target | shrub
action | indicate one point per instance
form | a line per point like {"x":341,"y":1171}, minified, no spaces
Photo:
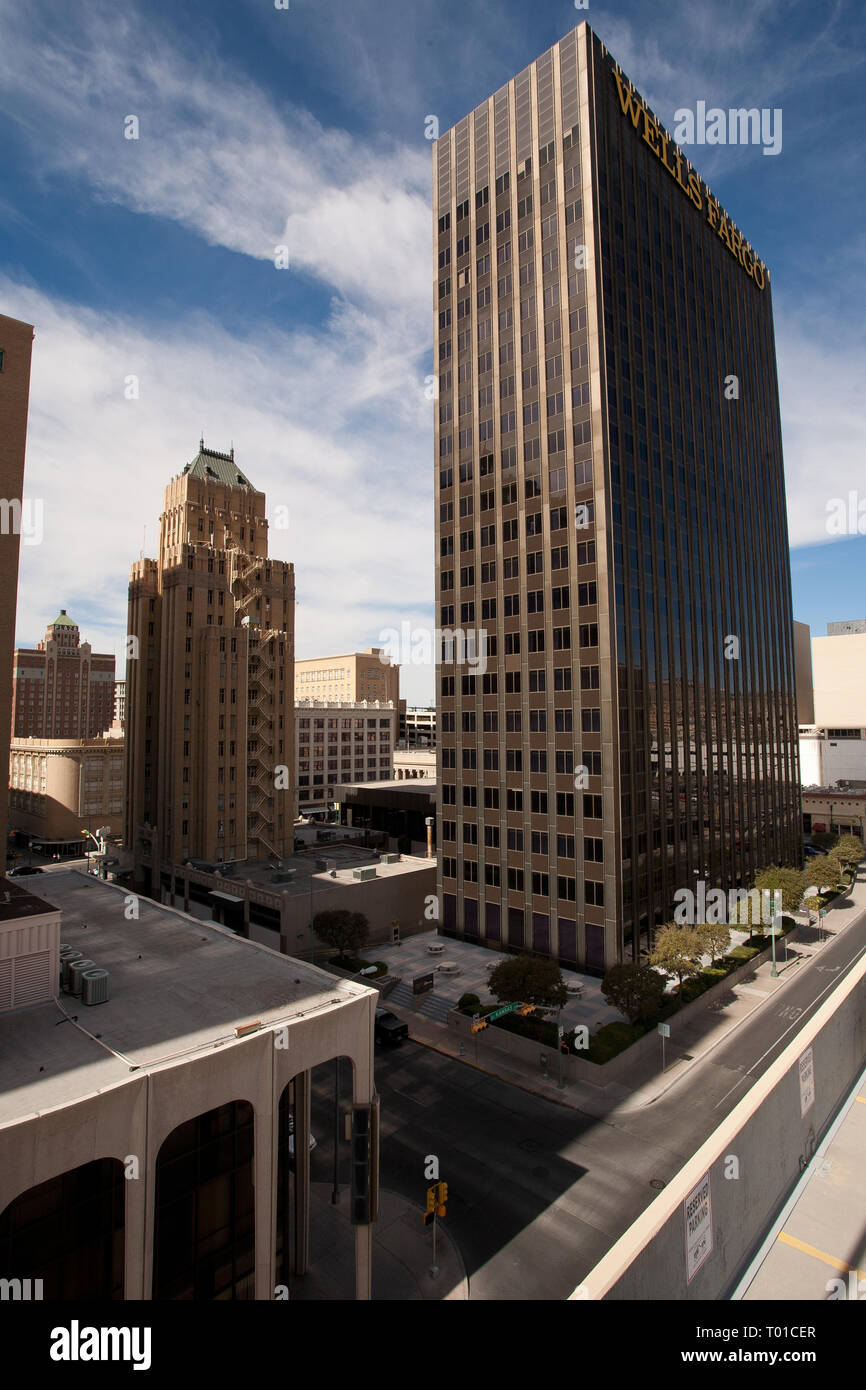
{"x":467,"y":1001}
{"x":612,"y":1039}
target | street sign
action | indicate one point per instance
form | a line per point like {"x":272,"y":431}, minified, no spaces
{"x":506,"y":1009}
{"x":698,"y":1213}
{"x":806,"y":1067}
{"x":665,"y":1030}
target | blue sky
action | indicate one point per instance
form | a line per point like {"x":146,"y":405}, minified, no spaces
{"x":305,"y":127}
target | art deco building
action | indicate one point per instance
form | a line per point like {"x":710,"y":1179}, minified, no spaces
{"x":62,"y":689}
{"x":610,"y":509}
{"x":209,"y":679}
{"x":16,"y":347}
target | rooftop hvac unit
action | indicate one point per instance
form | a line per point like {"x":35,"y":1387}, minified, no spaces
{"x":94,"y":986}
{"x":75,"y":972}
{"x":361,"y":875}
{"x":68,"y":960}
{"x":389,"y":859}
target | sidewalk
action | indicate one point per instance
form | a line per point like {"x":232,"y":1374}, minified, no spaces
{"x":708,"y":1030}
{"x":402,"y":1253}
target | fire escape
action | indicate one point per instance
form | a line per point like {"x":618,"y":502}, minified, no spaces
{"x":245,"y":584}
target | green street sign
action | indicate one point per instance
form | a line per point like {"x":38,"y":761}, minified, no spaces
{"x":506,"y":1009}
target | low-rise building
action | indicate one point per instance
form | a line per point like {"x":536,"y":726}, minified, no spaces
{"x":830,"y":756}
{"x":161,"y":1147}
{"x":61,"y":787}
{"x":341,"y":741}
{"x":834,"y":811}
{"x":418,"y":726}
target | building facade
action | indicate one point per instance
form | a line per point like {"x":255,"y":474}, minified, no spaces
{"x":610,"y":511}
{"x":367,"y":675}
{"x":342,"y":741}
{"x":209,"y":707}
{"x":418,"y":727}
{"x":16,"y":348}
{"x":120,"y":703}
{"x":62,"y":689}
{"x":829,"y":757}
{"x":61,"y":787}
{"x":839,"y":678}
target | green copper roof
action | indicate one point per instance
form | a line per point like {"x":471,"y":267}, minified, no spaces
{"x":219,"y":468}
{"x":62,"y":621}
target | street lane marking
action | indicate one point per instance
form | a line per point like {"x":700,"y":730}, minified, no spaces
{"x":862,"y":1099}
{"x":800,"y":1022}
{"x":830,"y":1260}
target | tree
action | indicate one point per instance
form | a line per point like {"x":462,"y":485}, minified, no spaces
{"x":850,"y":849}
{"x":716,"y":939}
{"x":678,"y":951}
{"x":526,"y":980}
{"x":636,"y":990}
{"x":822,"y":871}
{"x":343,"y":930}
{"x":788,"y":881}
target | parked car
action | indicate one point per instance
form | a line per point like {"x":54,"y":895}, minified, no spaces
{"x":811,"y":850}
{"x":388,"y":1028}
{"x":21,"y":869}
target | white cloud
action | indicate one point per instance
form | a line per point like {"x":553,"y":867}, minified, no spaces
{"x":298,"y":408}
{"x":216,"y":155}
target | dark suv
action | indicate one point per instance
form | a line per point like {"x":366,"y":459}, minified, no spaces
{"x":388,"y":1028}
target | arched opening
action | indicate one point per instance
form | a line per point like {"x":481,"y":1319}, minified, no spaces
{"x":204,"y":1213}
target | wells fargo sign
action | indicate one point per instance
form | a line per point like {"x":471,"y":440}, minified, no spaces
{"x":689,"y":181}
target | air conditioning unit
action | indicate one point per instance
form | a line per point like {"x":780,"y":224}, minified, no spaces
{"x":68,"y":960}
{"x":94,"y":986}
{"x":389,"y":859}
{"x":321,"y":866}
{"x":361,"y":875}
{"x":76,"y":970}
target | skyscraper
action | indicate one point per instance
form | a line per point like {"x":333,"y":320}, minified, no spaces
{"x":62,"y":689}
{"x":210,"y":680}
{"x":610,"y":510}
{"x":16,"y":347}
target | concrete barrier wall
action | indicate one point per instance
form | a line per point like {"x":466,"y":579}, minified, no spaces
{"x":771,"y":1142}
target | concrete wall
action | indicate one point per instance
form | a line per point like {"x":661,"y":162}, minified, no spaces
{"x":771,"y":1140}
{"x":839,"y":677}
{"x":803,"y":673}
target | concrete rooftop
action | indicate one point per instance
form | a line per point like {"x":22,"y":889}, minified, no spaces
{"x":177,"y":985}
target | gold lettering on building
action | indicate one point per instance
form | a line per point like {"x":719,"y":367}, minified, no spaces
{"x":679,"y":168}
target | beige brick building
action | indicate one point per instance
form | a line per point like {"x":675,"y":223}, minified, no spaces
{"x":16,"y":346}
{"x":342,"y":741}
{"x":209,"y":707}
{"x":60,"y":787}
{"x":62,"y":688}
{"x":358,"y":676}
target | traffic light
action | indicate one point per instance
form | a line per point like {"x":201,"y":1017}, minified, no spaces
{"x":431,"y":1198}
{"x":443,"y":1193}
{"x":481,"y":1024}
{"x":526,"y":1009}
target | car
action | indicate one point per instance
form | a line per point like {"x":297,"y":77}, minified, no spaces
{"x":811,"y":850}
{"x":21,"y":869}
{"x":389,"y":1029}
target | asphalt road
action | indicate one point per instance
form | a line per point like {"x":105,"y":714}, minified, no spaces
{"x":538,"y":1191}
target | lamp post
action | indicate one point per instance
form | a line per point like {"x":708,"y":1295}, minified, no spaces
{"x":429,"y":822}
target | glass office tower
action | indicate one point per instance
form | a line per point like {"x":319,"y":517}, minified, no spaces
{"x":611,"y":513}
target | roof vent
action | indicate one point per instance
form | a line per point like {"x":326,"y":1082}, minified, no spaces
{"x":67,"y":961}
{"x":76,"y":970}
{"x":94,"y":986}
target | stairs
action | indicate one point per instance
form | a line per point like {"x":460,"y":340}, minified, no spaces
{"x":433,"y":1007}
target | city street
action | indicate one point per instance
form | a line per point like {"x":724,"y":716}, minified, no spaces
{"x":539,"y":1191}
